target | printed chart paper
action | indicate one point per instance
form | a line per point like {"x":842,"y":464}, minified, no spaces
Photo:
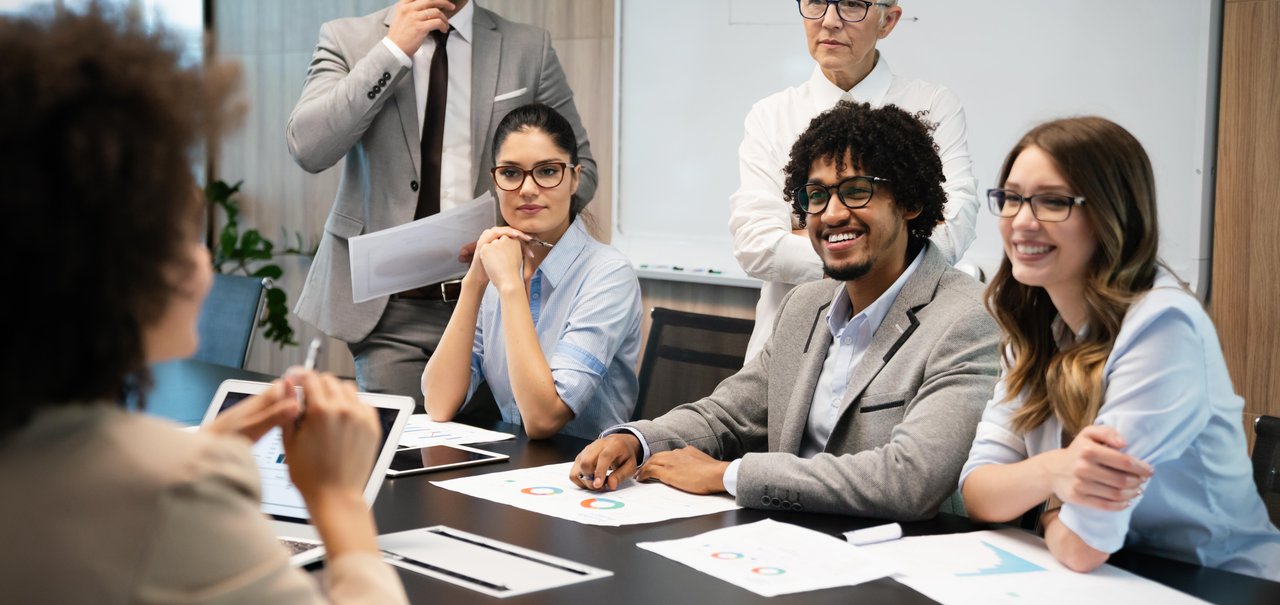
{"x":418,"y":253}
{"x":548,"y":490}
{"x":1010,"y":566}
{"x":771,"y":558}
{"x":481,"y":564}
{"x":422,"y":431}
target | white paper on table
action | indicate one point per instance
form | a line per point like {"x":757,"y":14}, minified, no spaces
{"x":422,"y":431}
{"x":771,"y":558}
{"x":548,"y":490}
{"x":461,"y":558}
{"x":418,"y":253}
{"x":1010,"y":566}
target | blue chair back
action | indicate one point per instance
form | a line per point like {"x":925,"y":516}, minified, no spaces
{"x":228,"y":318}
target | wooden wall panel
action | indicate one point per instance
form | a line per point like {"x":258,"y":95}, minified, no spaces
{"x":1246,"y":251}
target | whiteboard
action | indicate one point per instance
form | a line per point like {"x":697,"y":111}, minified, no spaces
{"x":687,"y":72}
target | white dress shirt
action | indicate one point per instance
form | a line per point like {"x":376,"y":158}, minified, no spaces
{"x":760,"y":219}
{"x":456,"y":179}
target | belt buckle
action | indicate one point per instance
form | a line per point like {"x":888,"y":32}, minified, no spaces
{"x":444,"y":290}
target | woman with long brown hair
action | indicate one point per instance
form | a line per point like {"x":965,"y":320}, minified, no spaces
{"x":1115,"y":405}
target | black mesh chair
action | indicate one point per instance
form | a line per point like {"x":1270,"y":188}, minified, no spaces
{"x":686,"y":356}
{"x":228,"y":317}
{"x":1266,"y":463}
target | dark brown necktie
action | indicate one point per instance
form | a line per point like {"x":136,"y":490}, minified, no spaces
{"x":433,"y":128}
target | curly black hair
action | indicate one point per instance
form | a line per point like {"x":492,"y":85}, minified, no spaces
{"x":97,"y":119}
{"x":885,"y":142}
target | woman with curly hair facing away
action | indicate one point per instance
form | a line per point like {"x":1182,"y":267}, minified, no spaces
{"x":102,"y":505}
{"x":1115,"y":405}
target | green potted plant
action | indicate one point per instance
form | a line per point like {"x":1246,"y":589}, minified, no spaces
{"x":249,"y":253}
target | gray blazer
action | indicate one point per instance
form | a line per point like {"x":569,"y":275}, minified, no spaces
{"x":343,"y":111}
{"x":908,"y":417}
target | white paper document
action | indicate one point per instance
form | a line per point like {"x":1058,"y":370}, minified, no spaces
{"x":1010,"y":566}
{"x":771,"y":558}
{"x":422,"y":431}
{"x":548,"y":490}
{"x":418,"y":253}
{"x":489,"y":566}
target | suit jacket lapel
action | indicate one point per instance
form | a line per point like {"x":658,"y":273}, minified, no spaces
{"x":486,"y":50}
{"x":815,"y":354}
{"x":897,"y":326}
{"x":406,"y":101}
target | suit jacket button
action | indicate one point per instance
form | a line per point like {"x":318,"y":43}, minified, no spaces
{"x":764,"y":500}
{"x":372,"y":95}
{"x":376,"y":89}
{"x":413,"y":185}
{"x":775,"y":501}
{"x":786,"y":504}
{"x":386,"y":75}
{"x":796,"y":506}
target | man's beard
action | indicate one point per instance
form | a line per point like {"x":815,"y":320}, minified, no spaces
{"x":852,"y":272}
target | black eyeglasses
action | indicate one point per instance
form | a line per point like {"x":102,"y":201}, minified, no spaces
{"x":849,"y":11}
{"x":854,"y":192}
{"x":547,"y":175}
{"x":1046,"y":207}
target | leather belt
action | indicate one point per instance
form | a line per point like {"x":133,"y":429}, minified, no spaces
{"x":445,"y":291}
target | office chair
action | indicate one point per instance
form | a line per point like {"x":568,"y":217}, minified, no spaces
{"x":686,"y":356}
{"x":228,"y":318}
{"x":1266,"y":463}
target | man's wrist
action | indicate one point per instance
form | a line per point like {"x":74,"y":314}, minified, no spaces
{"x":397,"y":52}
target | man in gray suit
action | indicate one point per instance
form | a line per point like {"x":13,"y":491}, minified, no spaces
{"x":369,"y":96}
{"x":868,"y":392}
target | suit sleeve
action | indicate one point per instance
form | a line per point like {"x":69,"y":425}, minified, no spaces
{"x":210,"y":544}
{"x":909,"y":477}
{"x":339,"y":100}
{"x":554,"y":91}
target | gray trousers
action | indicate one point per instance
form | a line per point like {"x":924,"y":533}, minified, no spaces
{"x":391,"y":358}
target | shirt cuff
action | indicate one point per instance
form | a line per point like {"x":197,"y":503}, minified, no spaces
{"x":644,"y":447}
{"x":731,"y":478}
{"x":399,"y":54}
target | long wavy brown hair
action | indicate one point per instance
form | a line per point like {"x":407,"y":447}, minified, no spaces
{"x":1106,"y":165}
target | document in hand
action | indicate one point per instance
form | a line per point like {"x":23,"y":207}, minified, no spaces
{"x":548,"y":490}
{"x":495,"y":568}
{"x":422,"y":431}
{"x":771,"y":558}
{"x":1010,"y":566}
{"x":418,"y":253}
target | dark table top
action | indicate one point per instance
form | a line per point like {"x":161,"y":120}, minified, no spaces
{"x":183,"y":390}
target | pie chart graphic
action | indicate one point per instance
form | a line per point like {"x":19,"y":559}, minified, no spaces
{"x":541,"y":491}
{"x":601,"y":504}
{"x":726,"y":556}
{"x":768,"y":571}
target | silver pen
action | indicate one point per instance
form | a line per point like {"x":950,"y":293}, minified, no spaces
{"x":534,"y":240}
{"x":313,"y":353}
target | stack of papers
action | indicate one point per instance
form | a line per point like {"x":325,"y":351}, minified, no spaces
{"x":1010,"y":566}
{"x":422,"y":431}
{"x":548,"y":490}
{"x":771,"y":558}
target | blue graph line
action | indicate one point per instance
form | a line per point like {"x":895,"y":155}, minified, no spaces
{"x":1009,"y":563}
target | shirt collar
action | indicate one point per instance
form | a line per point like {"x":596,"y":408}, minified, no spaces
{"x":871,"y":89}
{"x":838,"y":313}
{"x":463,"y":21}
{"x":565,"y":252}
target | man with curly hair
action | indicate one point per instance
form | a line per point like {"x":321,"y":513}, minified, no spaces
{"x":841,"y":36}
{"x":866,"y":396}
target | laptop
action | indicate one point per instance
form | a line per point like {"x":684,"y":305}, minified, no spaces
{"x":281,"y":501}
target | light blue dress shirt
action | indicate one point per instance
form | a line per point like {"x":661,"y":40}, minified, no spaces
{"x":585,"y":301}
{"x":1168,"y":393}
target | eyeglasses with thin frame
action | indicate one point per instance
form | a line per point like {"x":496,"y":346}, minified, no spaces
{"x":849,"y":11}
{"x":1046,"y":207}
{"x":854,"y":192}
{"x":547,"y":175}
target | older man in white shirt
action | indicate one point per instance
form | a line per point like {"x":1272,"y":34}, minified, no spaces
{"x":842,"y":36}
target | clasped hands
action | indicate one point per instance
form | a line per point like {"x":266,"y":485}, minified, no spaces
{"x":1093,"y":472}
{"x":498,"y":257}
{"x":609,"y":461}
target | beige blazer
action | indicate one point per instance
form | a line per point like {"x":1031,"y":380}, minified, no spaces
{"x":907,"y":418}
{"x":105,"y":506}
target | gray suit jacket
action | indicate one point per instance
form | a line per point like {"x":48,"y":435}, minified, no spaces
{"x":344,"y":112}
{"x":908,"y":415}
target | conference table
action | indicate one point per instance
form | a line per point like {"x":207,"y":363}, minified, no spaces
{"x":640,"y":577}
